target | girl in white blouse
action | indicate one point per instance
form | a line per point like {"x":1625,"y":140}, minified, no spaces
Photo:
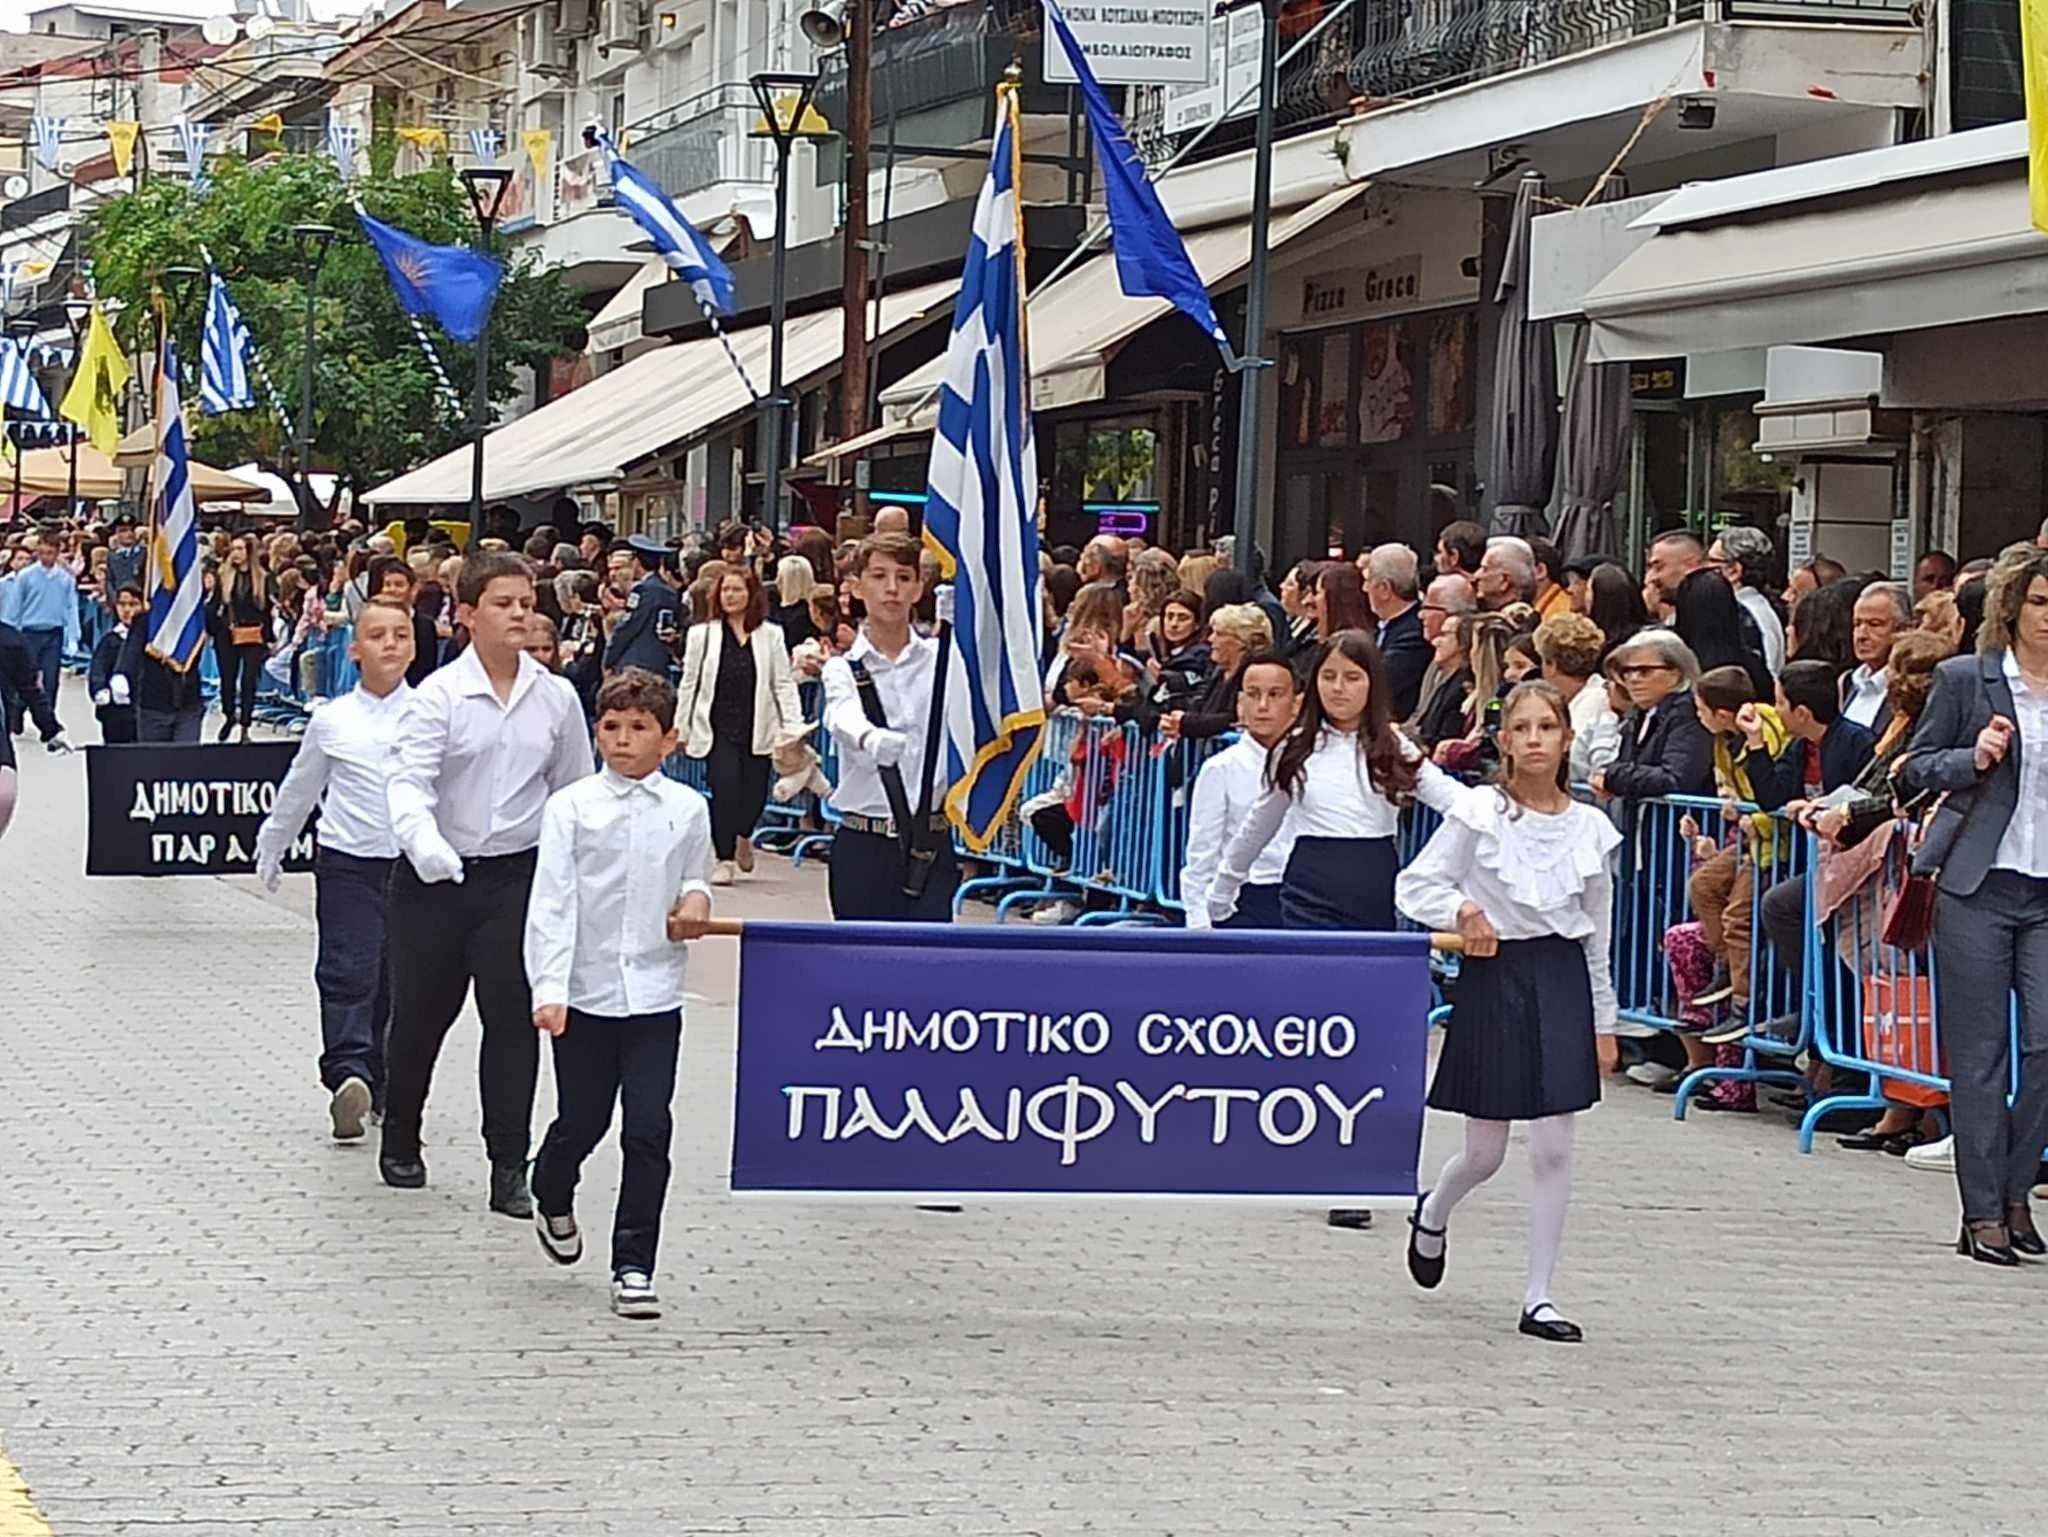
{"x":1521,"y":871}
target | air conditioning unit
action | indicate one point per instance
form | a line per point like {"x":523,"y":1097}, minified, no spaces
{"x":621,"y":29}
{"x":572,"y":19}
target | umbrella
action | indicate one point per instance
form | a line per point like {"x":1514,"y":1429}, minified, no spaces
{"x":48,"y":471}
{"x":1523,"y":452}
{"x":1593,"y":452}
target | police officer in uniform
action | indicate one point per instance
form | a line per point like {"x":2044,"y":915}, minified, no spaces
{"x":646,"y":636}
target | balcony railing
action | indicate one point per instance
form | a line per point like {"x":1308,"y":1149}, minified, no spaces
{"x":704,"y":142}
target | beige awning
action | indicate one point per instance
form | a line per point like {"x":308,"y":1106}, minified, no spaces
{"x":47,"y":472}
{"x":669,"y":397}
{"x":1079,"y":322}
{"x":888,"y":432}
{"x":618,"y":323}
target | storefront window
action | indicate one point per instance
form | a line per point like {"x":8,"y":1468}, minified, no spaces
{"x":1386,"y":394}
{"x":1333,"y":407}
{"x":1105,"y":479}
{"x":1453,"y":341}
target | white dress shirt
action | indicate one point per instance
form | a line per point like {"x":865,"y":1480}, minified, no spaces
{"x":905,"y":689}
{"x":1863,"y":694}
{"x":616,"y":854}
{"x":1226,"y":789}
{"x":1532,"y":873}
{"x":472,"y":774}
{"x":342,"y":766}
{"x":2024,"y":847}
{"x":1596,"y":731}
{"x":1768,"y":624}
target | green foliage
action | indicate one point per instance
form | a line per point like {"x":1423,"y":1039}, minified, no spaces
{"x":376,"y":409}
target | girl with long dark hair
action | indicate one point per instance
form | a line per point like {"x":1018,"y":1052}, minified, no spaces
{"x":1339,"y":602}
{"x":1824,"y":624}
{"x":1616,"y":604}
{"x":1708,"y":618}
{"x":240,"y":620}
{"x":1520,"y":870}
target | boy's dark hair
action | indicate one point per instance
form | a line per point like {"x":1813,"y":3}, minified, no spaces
{"x":485,"y":567}
{"x":382,"y":566}
{"x":1081,"y":672}
{"x":1271,"y":658}
{"x":130,"y":590}
{"x":1811,"y":686}
{"x":1726,"y":688}
{"x":903,"y":549}
{"x":635,"y":688}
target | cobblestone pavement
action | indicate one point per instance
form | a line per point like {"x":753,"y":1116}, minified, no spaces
{"x":214,"y":1321}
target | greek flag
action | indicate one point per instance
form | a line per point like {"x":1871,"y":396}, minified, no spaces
{"x":177,"y":624}
{"x":487,"y":144}
{"x":342,"y":139}
{"x":688,"y":253}
{"x":47,"y":134}
{"x":226,"y":351}
{"x":192,"y":139}
{"x":981,"y":512}
{"x":18,"y":387}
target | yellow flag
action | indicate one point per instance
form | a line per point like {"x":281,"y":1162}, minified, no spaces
{"x":2034,"y":50}
{"x":94,"y":399}
{"x":426,"y":140}
{"x":540,"y":144}
{"x":121,"y":139}
{"x":272,"y":123}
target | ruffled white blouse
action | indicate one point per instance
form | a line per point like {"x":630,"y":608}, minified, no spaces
{"x":1532,"y":873}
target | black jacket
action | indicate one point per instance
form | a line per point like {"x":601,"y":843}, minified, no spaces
{"x":1407,"y":656}
{"x":1675,"y":756}
{"x":1843,"y":753}
{"x":1216,"y":711}
{"x":18,"y":671}
{"x":152,"y":685}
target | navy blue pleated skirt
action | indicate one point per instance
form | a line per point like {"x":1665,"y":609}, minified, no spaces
{"x":1339,"y":883}
{"x":1258,"y":907}
{"x":1519,"y":1043}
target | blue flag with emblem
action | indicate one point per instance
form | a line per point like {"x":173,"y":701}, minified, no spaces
{"x":681,"y":244}
{"x":177,"y":617}
{"x":453,"y":283}
{"x":225,"y":352}
{"x":981,"y":511}
{"x":1152,"y":261}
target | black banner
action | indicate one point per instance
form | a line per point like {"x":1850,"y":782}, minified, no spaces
{"x":184,"y":810}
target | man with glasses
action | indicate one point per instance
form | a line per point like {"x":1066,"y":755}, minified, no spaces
{"x":1447,"y":595}
{"x":1742,"y":557}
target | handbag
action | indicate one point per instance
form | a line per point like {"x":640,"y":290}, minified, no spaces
{"x":245,"y":635}
{"x":1909,"y":912}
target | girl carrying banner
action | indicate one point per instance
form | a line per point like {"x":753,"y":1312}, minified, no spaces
{"x":1521,"y":871}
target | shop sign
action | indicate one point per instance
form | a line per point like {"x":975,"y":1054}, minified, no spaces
{"x":1393,"y":285}
{"x":1133,"y":44}
{"x":1661,"y":379}
{"x":1231,"y":86}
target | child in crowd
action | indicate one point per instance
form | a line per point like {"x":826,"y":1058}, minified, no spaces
{"x":1085,"y":786}
{"x":342,"y":766}
{"x":1521,"y":871}
{"x":543,"y":642}
{"x":110,"y":697}
{"x":1227,"y":787}
{"x":622,"y":881}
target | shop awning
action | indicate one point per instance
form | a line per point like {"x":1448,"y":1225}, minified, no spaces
{"x":1928,"y":253}
{"x":618,"y":323}
{"x":47,"y":472}
{"x":889,"y":432}
{"x":1079,"y":322}
{"x":670,"y":396}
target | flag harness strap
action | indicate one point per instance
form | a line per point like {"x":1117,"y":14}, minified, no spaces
{"x":914,"y":834}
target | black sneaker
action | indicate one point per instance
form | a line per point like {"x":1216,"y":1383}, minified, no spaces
{"x":1734,"y":1027}
{"x":509,"y":1195}
{"x":633,"y":1295}
{"x":1782,"y":1028}
{"x":1718,"y":990}
{"x":560,"y":1238}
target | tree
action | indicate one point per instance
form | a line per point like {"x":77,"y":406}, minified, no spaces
{"x":377,"y":409}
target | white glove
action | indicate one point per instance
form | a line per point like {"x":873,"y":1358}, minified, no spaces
{"x":57,"y":744}
{"x":270,"y":870}
{"x":104,"y":697}
{"x":118,"y":687}
{"x":437,"y":864}
{"x":886,"y":747}
{"x":942,"y":600}
{"x":1221,"y":910}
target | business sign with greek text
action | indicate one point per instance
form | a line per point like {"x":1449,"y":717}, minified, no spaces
{"x":184,"y":810}
{"x":975,"y":1060}
{"x":1133,"y":44}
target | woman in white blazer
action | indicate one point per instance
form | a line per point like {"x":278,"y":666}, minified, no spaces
{"x":739,"y":702}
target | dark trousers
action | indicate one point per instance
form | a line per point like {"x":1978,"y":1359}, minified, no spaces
{"x":866,"y":881}
{"x":1988,"y":946}
{"x":240,"y":667}
{"x":600,"y":1062}
{"x":350,"y":967}
{"x":47,"y":648}
{"x":118,"y":724}
{"x":442,"y":938}
{"x":168,"y":725}
{"x":739,"y":789}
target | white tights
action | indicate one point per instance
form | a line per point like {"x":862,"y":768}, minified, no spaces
{"x":1550,"y":1191}
{"x":7,"y":794}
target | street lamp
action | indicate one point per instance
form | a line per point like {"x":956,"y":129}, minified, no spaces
{"x":20,"y":328}
{"x":311,"y":242}
{"x":76,"y":310}
{"x":1251,"y":381}
{"x":486,"y":186}
{"x":775,"y":92}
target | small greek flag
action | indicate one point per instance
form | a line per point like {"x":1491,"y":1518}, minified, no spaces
{"x":18,"y":387}
{"x":487,"y":144}
{"x":177,"y":620}
{"x":981,"y":511}
{"x":47,"y":134}
{"x":342,"y":140}
{"x":687,"y":252}
{"x":193,"y":138}
{"x":226,"y":351}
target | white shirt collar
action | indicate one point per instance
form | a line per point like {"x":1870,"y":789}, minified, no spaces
{"x":472,"y":679}
{"x":622,"y":786}
{"x":865,"y":651}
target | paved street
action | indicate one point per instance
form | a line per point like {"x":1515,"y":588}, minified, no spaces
{"x":214,"y":1321}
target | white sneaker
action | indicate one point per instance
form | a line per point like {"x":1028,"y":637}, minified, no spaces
{"x":1057,"y":912}
{"x":743,"y":855}
{"x":1937,"y":1157}
{"x":560,"y":1239}
{"x":1650,"y":1074}
{"x":721,"y":873}
{"x":348,"y":1110}
{"x":633,"y":1295}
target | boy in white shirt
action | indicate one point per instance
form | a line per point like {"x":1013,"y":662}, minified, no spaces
{"x":342,"y":765}
{"x":624,"y":878}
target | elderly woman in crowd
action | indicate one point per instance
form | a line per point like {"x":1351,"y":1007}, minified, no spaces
{"x":1236,"y":631}
{"x":1569,"y":646}
{"x":1664,"y":749}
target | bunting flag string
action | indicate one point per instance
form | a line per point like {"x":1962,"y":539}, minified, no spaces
{"x":487,"y":144}
{"x":46,"y":132}
{"x":539,"y":145}
{"x":121,"y":136}
{"x":429,"y":141}
{"x":271,"y":123}
{"x":193,"y":138}
{"x":343,"y":139}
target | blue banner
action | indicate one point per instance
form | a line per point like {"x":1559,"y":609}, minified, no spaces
{"x":974,"y":1060}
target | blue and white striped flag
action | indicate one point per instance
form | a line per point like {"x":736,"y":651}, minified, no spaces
{"x":487,"y":144}
{"x":687,"y":252}
{"x":342,"y":139}
{"x":225,"y":352}
{"x":193,"y":139}
{"x":47,"y":134}
{"x":18,"y":387}
{"x":177,"y":621}
{"x":981,"y":511}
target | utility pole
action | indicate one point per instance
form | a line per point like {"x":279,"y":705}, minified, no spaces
{"x":853,"y":366}
{"x":1244,"y":510}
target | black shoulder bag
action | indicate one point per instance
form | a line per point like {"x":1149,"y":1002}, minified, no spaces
{"x":914,"y":833}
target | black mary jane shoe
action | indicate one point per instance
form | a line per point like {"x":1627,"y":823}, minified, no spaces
{"x":1985,"y":1253}
{"x":1428,"y":1273}
{"x":1559,"y":1331}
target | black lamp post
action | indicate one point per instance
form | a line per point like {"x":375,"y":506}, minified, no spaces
{"x":76,"y":312}
{"x":486,"y":185}
{"x":774,"y":442}
{"x":311,"y":242}
{"x":1251,"y":381}
{"x":20,"y":328}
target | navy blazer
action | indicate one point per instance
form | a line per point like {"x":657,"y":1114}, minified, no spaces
{"x":1407,"y":656}
{"x":1843,"y":752}
{"x":1962,"y":840}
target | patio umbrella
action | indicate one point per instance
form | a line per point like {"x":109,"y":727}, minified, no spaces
{"x":1523,"y":453}
{"x":1593,"y":451}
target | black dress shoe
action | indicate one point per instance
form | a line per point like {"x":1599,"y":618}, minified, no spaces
{"x":1355,"y":1218}
{"x":402,"y":1173}
{"x":509,"y":1195}
{"x":1559,"y":1331}
{"x":1985,"y":1253}
{"x":1428,"y":1273}
{"x":2025,"y":1240}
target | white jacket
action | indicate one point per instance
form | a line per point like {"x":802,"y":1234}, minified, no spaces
{"x":777,"y":712}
